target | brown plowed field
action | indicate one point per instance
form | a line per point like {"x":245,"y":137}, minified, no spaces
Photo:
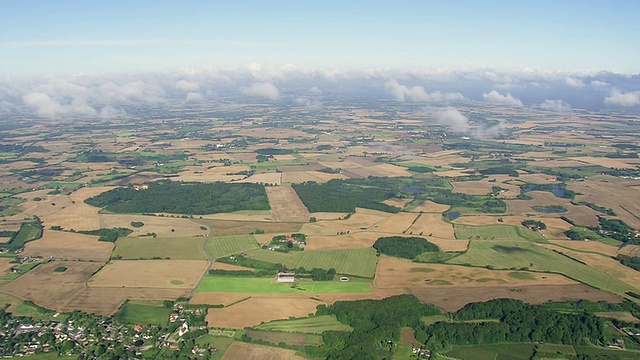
{"x":253,"y":311}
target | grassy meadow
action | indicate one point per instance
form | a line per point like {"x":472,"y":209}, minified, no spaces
{"x":356,"y":262}
{"x":311,"y":325}
{"x":495,"y":232}
{"x":145,"y":314}
{"x":266,"y":285}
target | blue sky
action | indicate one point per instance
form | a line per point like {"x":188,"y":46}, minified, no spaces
{"x":67,"y":37}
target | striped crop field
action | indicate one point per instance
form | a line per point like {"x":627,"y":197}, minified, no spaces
{"x":220,"y":246}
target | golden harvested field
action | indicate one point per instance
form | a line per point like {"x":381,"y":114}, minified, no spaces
{"x":267,"y":178}
{"x":69,"y":246}
{"x":631,"y":250}
{"x":230,"y":227}
{"x":593,"y":246}
{"x":397,"y":202}
{"x":106,"y":301}
{"x":51,"y":289}
{"x":78,"y":216}
{"x":605,"y":162}
{"x":431,"y":207}
{"x":5,"y":265}
{"x":622,"y":197}
{"x":252,"y":312}
{"x":286,"y":205}
{"x":396,"y":223}
{"x":453,"y":173}
{"x":163,"y":226}
{"x":50,"y":205}
{"x":167,"y":274}
{"x":453,"y":298}
{"x":603,"y":263}
{"x":328,"y":215}
{"x":353,"y":240}
{"x":450,"y":245}
{"x":402,"y":273}
{"x":217,"y":173}
{"x":295,"y":177}
{"x":363,"y":219}
{"x":324,"y":177}
{"x":240,"y":350}
{"x":555,"y":226}
{"x":432,"y":225}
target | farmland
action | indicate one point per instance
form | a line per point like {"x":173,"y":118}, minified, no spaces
{"x":145,"y":314}
{"x":356,"y":262}
{"x":220,"y":246}
{"x":312,"y":325}
{"x":495,"y":232}
{"x":190,"y":248}
{"x":517,"y":255}
{"x":251,"y":285}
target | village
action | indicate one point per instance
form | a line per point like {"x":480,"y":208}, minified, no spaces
{"x":88,"y":336}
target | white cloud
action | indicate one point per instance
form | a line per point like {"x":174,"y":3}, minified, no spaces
{"x":454,"y":120}
{"x":194,"y":97}
{"x":417,"y":93}
{"x":599,"y":84}
{"x":623,"y":99}
{"x":495,"y":97}
{"x":46,"y":106}
{"x":263,"y":89}
{"x":188,"y":86}
{"x":555,"y":105}
{"x":574,"y":82}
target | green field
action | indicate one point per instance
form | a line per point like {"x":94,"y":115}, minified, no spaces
{"x":220,"y":246}
{"x":495,"y":232}
{"x":311,"y":325}
{"x":255,"y":285}
{"x":187,"y":248}
{"x":519,"y":254}
{"x":356,"y":262}
{"x":145,"y":314}
{"x":492,"y":352}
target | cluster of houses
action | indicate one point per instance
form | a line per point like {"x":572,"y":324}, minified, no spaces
{"x":421,"y":352}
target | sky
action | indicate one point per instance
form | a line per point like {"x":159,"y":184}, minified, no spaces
{"x":54,"y":37}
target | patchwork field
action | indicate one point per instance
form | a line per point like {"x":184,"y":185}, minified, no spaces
{"x":165,"y":274}
{"x":220,"y":246}
{"x":78,"y":216}
{"x":240,"y":350}
{"x":363,"y":219}
{"x":621,"y":197}
{"x":286,"y":205}
{"x":431,"y":207}
{"x":581,"y":215}
{"x":174,"y":248}
{"x":69,"y":246}
{"x":353,"y":240}
{"x":453,"y":298}
{"x":402,"y":273}
{"x":356,"y":262}
{"x":52,"y":289}
{"x":396,"y":224}
{"x":510,"y":254}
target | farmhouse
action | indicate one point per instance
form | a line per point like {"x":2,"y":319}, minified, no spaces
{"x":286,"y":277}
{"x":141,"y":187}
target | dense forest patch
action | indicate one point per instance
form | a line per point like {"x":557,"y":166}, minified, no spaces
{"x":184,"y":198}
{"x":404,"y":247}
